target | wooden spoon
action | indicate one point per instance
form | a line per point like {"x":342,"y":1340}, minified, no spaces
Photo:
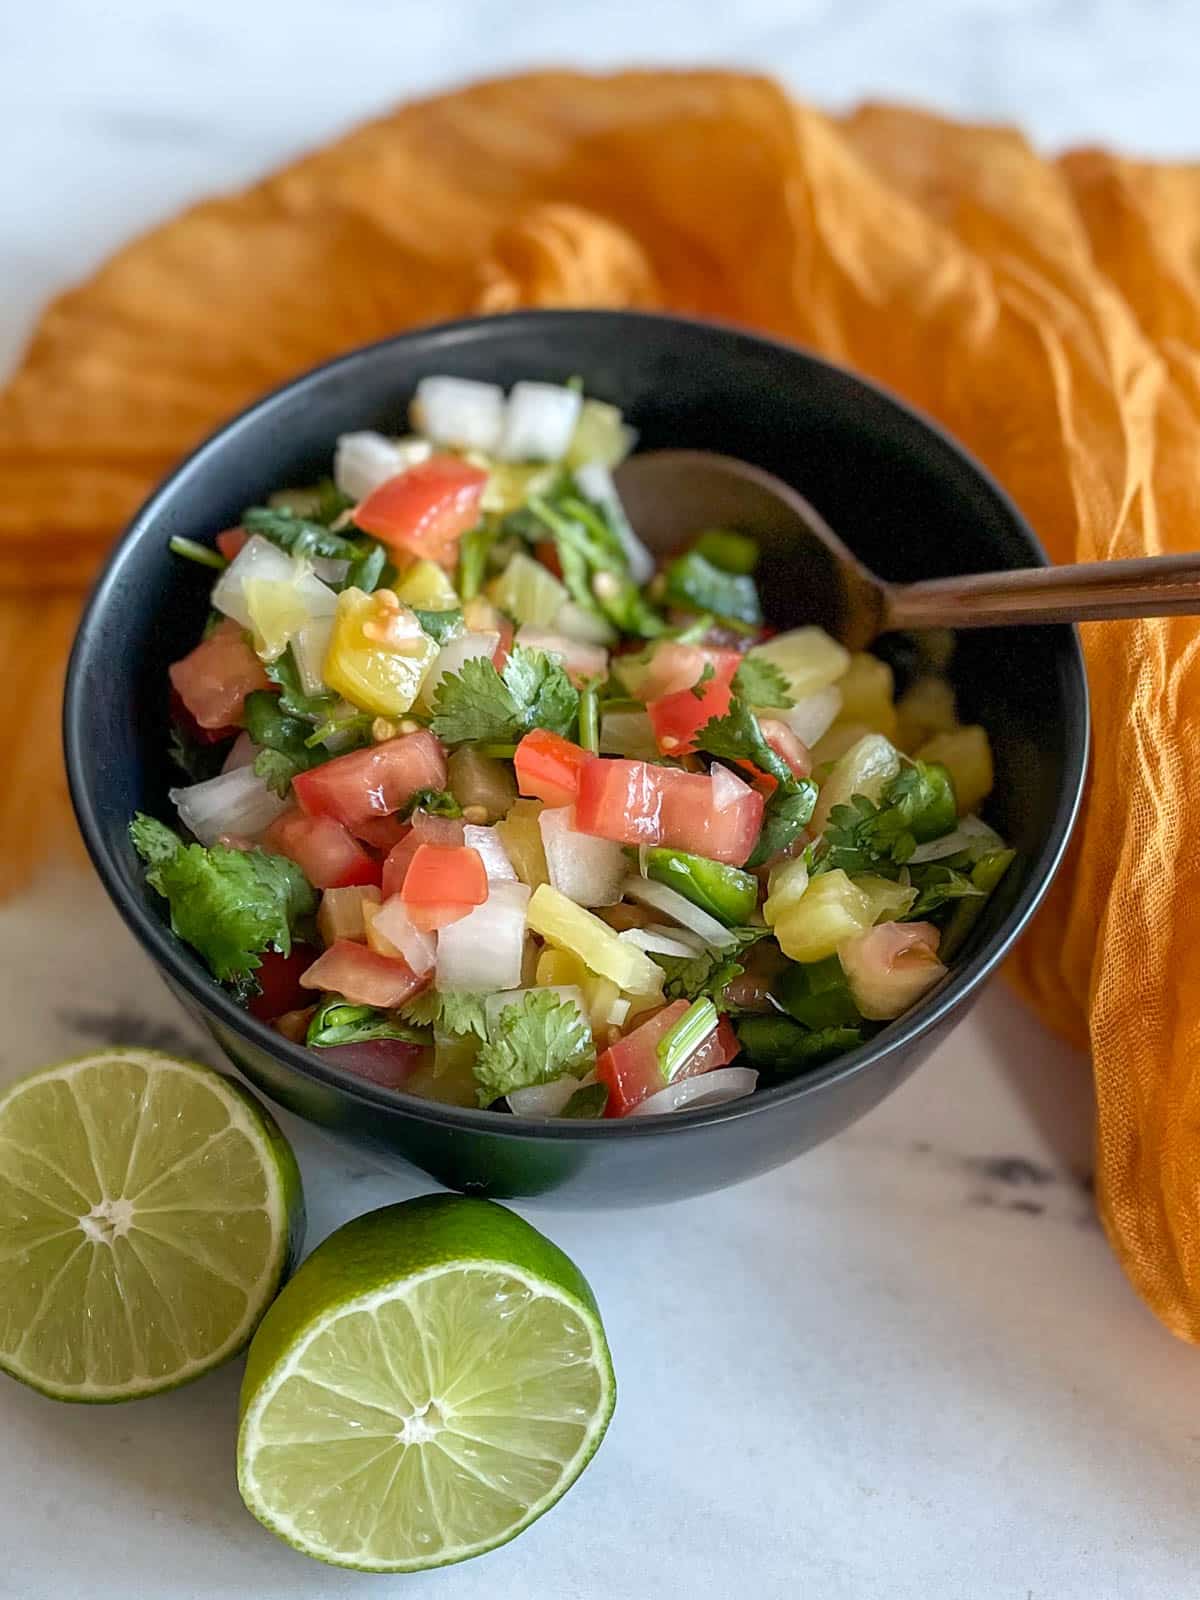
{"x":673,"y":494}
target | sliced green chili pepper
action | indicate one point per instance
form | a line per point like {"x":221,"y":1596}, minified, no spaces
{"x":727,"y":893}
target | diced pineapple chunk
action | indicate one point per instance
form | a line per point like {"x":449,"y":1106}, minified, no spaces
{"x":808,"y":658}
{"x":569,"y":927}
{"x":521,"y":835}
{"x":510,"y":484}
{"x":832,"y":746}
{"x":888,"y":901}
{"x":559,"y":969}
{"x":786,"y":884}
{"x":966,"y":753}
{"x":341,"y":913}
{"x":378,"y":655}
{"x":830,"y":910}
{"x":926,"y":707}
{"x":528,"y":591}
{"x":600,"y":435}
{"x":868,"y":688}
{"x":866,"y":768}
{"x":427,"y":586}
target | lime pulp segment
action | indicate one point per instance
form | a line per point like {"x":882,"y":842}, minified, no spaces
{"x":148,"y":1211}
{"x":427,"y":1419}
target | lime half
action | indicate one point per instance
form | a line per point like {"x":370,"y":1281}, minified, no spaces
{"x":149,"y":1210}
{"x":433,"y":1378}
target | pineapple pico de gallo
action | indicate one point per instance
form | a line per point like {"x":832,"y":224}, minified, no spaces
{"x":486,"y":805}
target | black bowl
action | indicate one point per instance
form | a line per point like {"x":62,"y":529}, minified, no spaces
{"x":902,"y":495}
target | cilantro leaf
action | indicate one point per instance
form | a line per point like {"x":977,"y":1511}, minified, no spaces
{"x":337,"y":1021}
{"x":706,"y":676}
{"x":593,"y":559}
{"x":781,"y":1045}
{"x":535,"y":1040}
{"x":451,"y":1012}
{"x":916,"y":806}
{"x":230,"y":905}
{"x":299,"y":536}
{"x":479,"y":704}
{"x":440,"y":625}
{"x":283,"y":739}
{"x":293,"y":700}
{"x":694,"y":582}
{"x":706,"y":976}
{"x":937,"y":884}
{"x":788,"y":810}
{"x":759,"y":682}
{"x":437,"y":802}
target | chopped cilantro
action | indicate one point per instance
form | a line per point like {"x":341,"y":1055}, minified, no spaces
{"x":451,"y":1012}
{"x":737,"y":736}
{"x":916,"y":806}
{"x":299,"y":536}
{"x":283,"y":739}
{"x":759,"y":682}
{"x":477,"y":703}
{"x":440,"y":625}
{"x":589,"y":1101}
{"x":437,"y":802}
{"x":705,"y":677}
{"x":708,"y":975}
{"x":780,"y":1045}
{"x":293,"y":700}
{"x":230,"y":905}
{"x":694,"y":582}
{"x":535,"y":1040}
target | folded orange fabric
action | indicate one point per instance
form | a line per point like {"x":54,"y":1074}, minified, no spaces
{"x":1048,"y":312}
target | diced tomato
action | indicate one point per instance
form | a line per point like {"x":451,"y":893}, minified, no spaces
{"x":678,"y":717}
{"x":548,"y":767}
{"x":230,"y":542}
{"x":363,"y":976}
{"x":427,"y":509}
{"x":631,"y":1068}
{"x":326,"y":852}
{"x":395,"y":868}
{"x":443,"y":883}
{"x":214,"y":680}
{"x":500,"y":653}
{"x":279,"y":982}
{"x":430,"y":829}
{"x":389,"y":1062}
{"x":381,"y":833}
{"x":786,"y":745}
{"x":674,"y":667}
{"x":372,"y":783}
{"x":424,"y":829}
{"x":193,"y":730}
{"x":635,"y":802}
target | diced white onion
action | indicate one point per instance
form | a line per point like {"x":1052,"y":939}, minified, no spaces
{"x":452,"y":657}
{"x":236,"y":802}
{"x":539,"y":421}
{"x":496,"y":1003}
{"x":483,"y":950}
{"x":676,"y":906}
{"x":618,"y":1012}
{"x":727,"y":789}
{"x":580,"y":660}
{"x":241,"y":753}
{"x":418,"y":948}
{"x":460,"y":412}
{"x":813,"y":716}
{"x":586,"y":869}
{"x":629,"y":734}
{"x":362,"y":461}
{"x":972,"y":833}
{"x":597,"y":484}
{"x":542,"y":1099}
{"x":491,"y":852}
{"x":696,"y":945}
{"x":258,"y":558}
{"x":330,"y":570}
{"x":310,"y":647}
{"x":582,"y":625}
{"x":705,"y":1089}
{"x":656,"y":944}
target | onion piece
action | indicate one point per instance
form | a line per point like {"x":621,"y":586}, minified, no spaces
{"x":580,"y":660}
{"x":491,"y":852}
{"x":393,"y":921}
{"x":460,"y":412}
{"x":496,"y":1003}
{"x":258,"y":558}
{"x":618,"y":1012}
{"x":657,"y":944}
{"x":452,"y":657}
{"x":597,"y":484}
{"x":705,"y":1089}
{"x":584,"y":626}
{"x":586,"y":869}
{"x":362,"y":461}
{"x":236,"y":802}
{"x":310,"y":647}
{"x":329,"y":569}
{"x":674,"y":905}
{"x":539,"y":422}
{"x":483,"y":950}
{"x":972,"y":833}
{"x":727,"y":789}
{"x":811,"y":718}
{"x":695,"y":943}
{"x":543,"y":1099}
{"x":242,"y":753}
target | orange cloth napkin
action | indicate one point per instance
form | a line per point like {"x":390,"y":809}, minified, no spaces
{"x":1048,"y":312}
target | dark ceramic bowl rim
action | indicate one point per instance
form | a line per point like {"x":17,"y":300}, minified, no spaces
{"x":186,"y":970}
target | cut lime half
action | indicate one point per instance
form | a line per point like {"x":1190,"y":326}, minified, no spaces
{"x":433,"y":1379}
{"x":149,"y":1210}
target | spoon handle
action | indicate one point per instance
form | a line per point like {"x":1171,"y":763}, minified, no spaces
{"x":1095,"y":591}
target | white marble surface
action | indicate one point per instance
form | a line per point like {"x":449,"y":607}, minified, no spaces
{"x":904,"y":1367}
